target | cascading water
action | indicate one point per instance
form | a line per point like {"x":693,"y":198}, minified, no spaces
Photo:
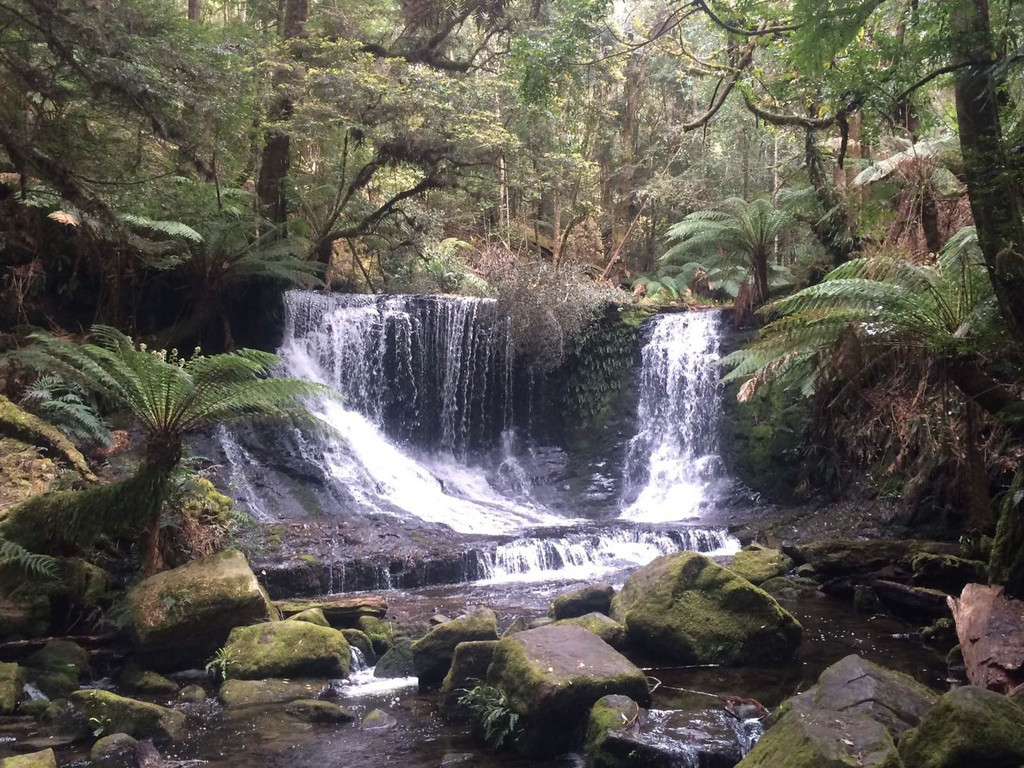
{"x":673,"y":459}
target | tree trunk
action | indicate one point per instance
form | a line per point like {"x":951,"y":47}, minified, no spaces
{"x":195,"y":10}
{"x":990,"y":627}
{"x":978,"y":504}
{"x":930,"y":220}
{"x":993,"y":186}
{"x":761,"y":288}
{"x":831,"y":230}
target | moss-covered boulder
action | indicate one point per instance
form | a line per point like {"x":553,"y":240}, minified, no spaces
{"x":192,"y":694}
{"x":236,"y":694}
{"x":312,"y":615}
{"x":44,"y":759}
{"x":358,"y":639}
{"x":397,"y":662}
{"x":968,"y":727}
{"x":840,"y":557}
{"x":947,"y":572}
{"x":119,"y":714}
{"x":789,"y":589}
{"x":341,"y":611}
{"x":115,"y":748}
{"x":135,"y":678}
{"x":688,"y":609}
{"x":315,"y":711}
{"x":83,"y":582}
{"x":378,"y":720}
{"x":182,"y":616}
{"x":601,"y":625}
{"x":57,"y":667}
{"x":432,"y":653}
{"x":552,"y":676}
{"x":381,"y":633}
{"x":579,"y":602}
{"x":11,"y":681}
{"x":469,"y":668}
{"x":609,"y":715}
{"x":286,"y":649}
{"x":757,"y":564}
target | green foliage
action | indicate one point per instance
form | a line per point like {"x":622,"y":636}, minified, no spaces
{"x":600,"y":358}
{"x":492,"y":713}
{"x":29,"y":564}
{"x":1006,"y":564}
{"x":65,"y":405}
{"x":218,"y":666}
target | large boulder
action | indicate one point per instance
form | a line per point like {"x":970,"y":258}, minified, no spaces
{"x":397,"y":662}
{"x":757,"y":564}
{"x":606,"y":628}
{"x":580,"y":602}
{"x":287,"y":649}
{"x":57,"y":667}
{"x":182,"y":616}
{"x":44,"y":759}
{"x":236,"y":694}
{"x":688,"y":609}
{"x":361,"y":641}
{"x":119,"y":714}
{"x":139,"y":680}
{"x":432,"y":653}
{"x":341,"y":611}
{"x":837,"y":557}
{"x":311,"y":615}
{"x":947,"y":572}
{"x":113,"y":749}
{"x":10,"y":688}
{"x":852,"y":716}
{"x":968,"y":727}
{"x":791,"y":589}
{"x":469,"y":668}
{"x":552,"y":676}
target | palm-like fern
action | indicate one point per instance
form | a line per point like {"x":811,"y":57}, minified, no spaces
{"x":735,"y":243}
{"x":169,"y":396}
{"x":937,"y":309}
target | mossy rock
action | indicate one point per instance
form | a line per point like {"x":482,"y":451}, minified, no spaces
{"x":378,"y":720}
{"x":44,"y":759}
{"x":469,"y":667}
{"x":947,"y":572}
{"x":57,"y":667}
{"x":83,"y":582}
{"x":839,"y":557}
{"x":11,"y":681}
{"x":119,"y":714}
{"x":519,"y":625}
{"x":688,"y":609}
{"x":790,"y":588}
{"x":759,"y":564}
{"x":601,"y":625}
{"x":139,"y":680}
{"x":608,"y":715}
{"x":287,"y":649}
{"x":968,"y":727}
{"x":432,"y":653}
{"x":397,"y":662}
{"x":381,"y":633}
{"x":359,"y":639}
{"x":117,"y":747}
{"x":182,"y":616}
{"x":24,"y":617}
{"x":315,"y":711}
{"x":237,"y":694}
{"x":580,"y":602}
{"x":552,"y":676}
{"x":19,"y":424}
{"x":192,"y":694}
{"x":311,"y":615}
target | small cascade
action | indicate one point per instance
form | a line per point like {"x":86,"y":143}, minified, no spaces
{"x":358,"y":661}
{"x":673,"y":459}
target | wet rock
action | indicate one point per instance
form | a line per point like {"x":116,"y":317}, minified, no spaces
{"x":84,"y":583}
{"x":806,"y":571}
{"x":459,"y":758}
{"x":287,"y":649}
{"x":552,"y":676}
{"x":44,"y":759}
{"x":381,"y":633}
{"x":139,"y":680}
{"x":947,"y":572}
{"x":601,"y":625}
{"x":24,"y":617}
{"x":519,"y":625}
{"x":835,"y":558}
{"x":33,"y":707}
{"x":312,"y":615}
{"x":182,"y":616}
{"x":542,"y":621}
{"x":579,"y":602}
{"x":609,"y":716}
{"x":968,"y":727}
{"x":865,"y":599}
{"x":119,"y":714}
{"x":688,"y":609}
{"x":53,"y":741}
{"x":438,"y":618}
{"x":378,"y":720}
{"x":235,"y":694}
{"x":397,"y":662}
{"x":941,"y":633}
{"x":790,"y":588}
{"x":852,"y":716}
{"x":192,"y":694}
{"x":469,"y":667}
{"x":315,"y":711}
{"x":432,"y":653}
{"x":115,"y":748}
{"x":57,"y":667}
{"x":10,"y":687}
{"x":758,"y":564}
{"x":359,"y":639}
{"x":917,"y":603}
{"x":340,"y":611}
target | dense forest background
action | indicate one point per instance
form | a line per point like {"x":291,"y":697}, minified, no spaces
{"x":846,"y":174}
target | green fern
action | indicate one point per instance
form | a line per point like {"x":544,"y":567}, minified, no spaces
{"x":493,"y":713}
{"x":172,"y":229}
{"x":64,"y":405}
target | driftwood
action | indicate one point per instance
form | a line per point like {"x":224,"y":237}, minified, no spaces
{"x":339,"y":611}
{"x":990,"y":627}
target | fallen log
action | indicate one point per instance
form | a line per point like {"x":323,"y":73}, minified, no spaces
{"x":339,"y":611}
{"x":911,"y":602}
{"x":18,"y":648}
{"x":990,"y":627}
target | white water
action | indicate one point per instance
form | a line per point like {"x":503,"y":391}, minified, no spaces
{"x":673,"y":459}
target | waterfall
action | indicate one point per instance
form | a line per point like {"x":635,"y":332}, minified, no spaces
{"x":673,"y":458}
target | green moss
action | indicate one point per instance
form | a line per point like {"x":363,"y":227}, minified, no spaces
{"x":397,"y":662}
{"x":11,"y":680}
{"x":381,"y":633}
{"x":22,"y":425}
{"x":311,"y":559}
{"x":311,"y":615}
{"x":432,"y":653}
{"x":969,"y":726}
{"x":61,"y":656}
{"x":315,"y":711}
{"x":598,"y":624}
{"x":116,"y":747}
{"x":237,"y":694}
{"x":44,"y":759}
{"x":286,"y":649}
{"x":359,"y":639}
{"x":469,"y":668}
{"x":686,"y":608}
{"x":118,"y":714}
{"x":579,"y":602}
{"x":609,"y":714}
{"x":759,"y":564}
{"x":139,"y":680}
